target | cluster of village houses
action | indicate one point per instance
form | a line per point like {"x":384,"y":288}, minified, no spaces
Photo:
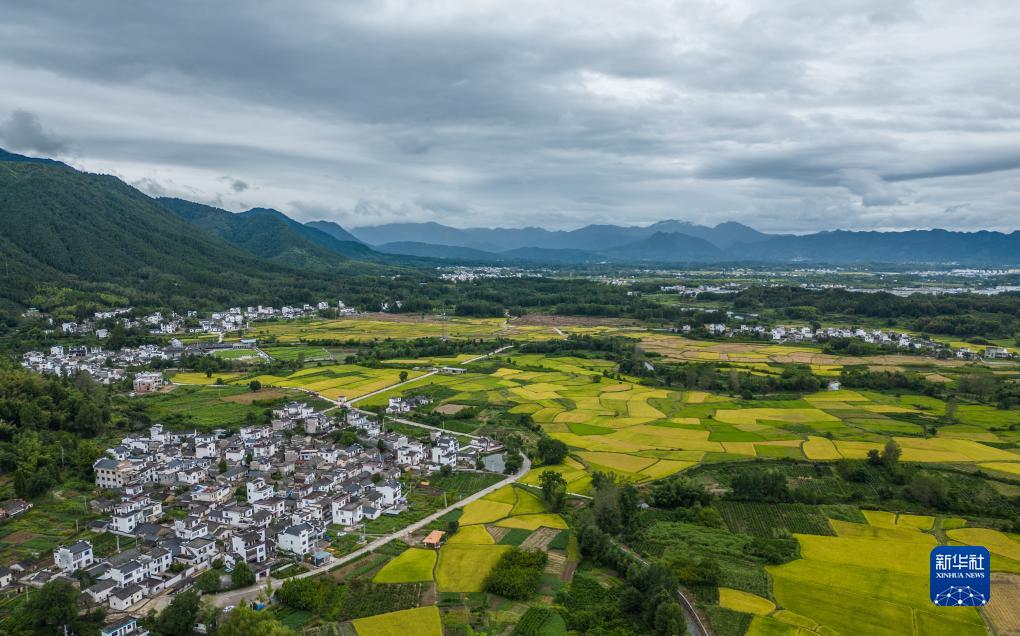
{"x":265,"y":495}
{"x":795,"y":335}
{"x":218,"y":322}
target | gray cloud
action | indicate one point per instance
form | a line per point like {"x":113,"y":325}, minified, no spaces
{"x":22,"y":131}
{"x":786,"y":115}
{"x":235,"y":184}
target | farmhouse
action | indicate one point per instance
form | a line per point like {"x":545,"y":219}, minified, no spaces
{"x":74,"y":557}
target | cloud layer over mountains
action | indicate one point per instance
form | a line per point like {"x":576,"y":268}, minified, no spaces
{"x":790,"y":116}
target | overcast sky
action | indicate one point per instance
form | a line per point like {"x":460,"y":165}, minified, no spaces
{"x":787,"y":116}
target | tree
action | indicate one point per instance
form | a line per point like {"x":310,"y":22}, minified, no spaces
{"x":242,"y":576}
{"x":669,"y":619}
{"x":554,"y":489}
{"x":403,"y":376}
{"x":927,"y":489}
{"x":244,"y":621}
{"x":891,"y":454}
{"x":513,"y":462}
{"x":767,"y":485}
{"x":551,"y":451}
{"x":255,"y":385}
{"x":50,"y":609}
{"x":874,"y":457}
{"x":88,"y":419}
{"x":208,"y":581}
{"x":679,"y":491}
{"x":178,"y":619}
{"x":85,"y":455}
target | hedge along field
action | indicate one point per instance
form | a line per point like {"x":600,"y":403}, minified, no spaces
{"x":420,"y":620}
{"x":868,"y":579}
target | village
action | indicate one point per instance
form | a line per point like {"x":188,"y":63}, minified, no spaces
{"x":181,"y":503}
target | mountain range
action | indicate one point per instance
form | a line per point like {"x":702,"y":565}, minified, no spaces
{"x":64,"y":231}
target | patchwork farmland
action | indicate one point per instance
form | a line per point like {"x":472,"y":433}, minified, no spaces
{"x":616,"y":425}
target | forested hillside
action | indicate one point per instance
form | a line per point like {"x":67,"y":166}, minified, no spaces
{"x":271,"y":235}
{"x":73,"y":240}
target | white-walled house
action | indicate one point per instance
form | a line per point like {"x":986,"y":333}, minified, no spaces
{"x":391,"y":491}
{"x":348,"y":514}
{"x":297,"y":539}
{"x":122,"y":599}
{"x":74,"y":557}
{"x":258,"y":489}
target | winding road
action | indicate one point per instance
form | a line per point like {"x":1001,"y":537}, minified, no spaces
{"x":247,"y":594}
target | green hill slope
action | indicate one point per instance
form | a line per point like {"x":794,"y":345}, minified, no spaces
{"x":72,"y":240}
{"x":270,"y":234}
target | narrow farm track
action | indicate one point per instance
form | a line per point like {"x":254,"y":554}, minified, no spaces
{"x":695,"y":626}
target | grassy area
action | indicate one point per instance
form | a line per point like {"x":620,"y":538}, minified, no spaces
{"x":293,"y":352}
{"x":212,"y":406}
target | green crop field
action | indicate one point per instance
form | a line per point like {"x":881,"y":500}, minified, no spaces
{"x":237,"y":354}
{"x":335,"y":381}
{"x":764,"y":520}
{"x":311,"y":354}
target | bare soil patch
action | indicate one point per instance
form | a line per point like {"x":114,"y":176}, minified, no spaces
{"x":539,"y":539}
{"x":20,"y":536}
{"x":451,"y":409}
{"x":497,"y":532}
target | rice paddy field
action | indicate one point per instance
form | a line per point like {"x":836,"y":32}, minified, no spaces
{"x":468,"y":556}
{"x":311,"y":354}
{"x":766,"y":358}
{"x":487,"y":529}
{"x":643,"y":433}
{"x":869,"y":578}
{"x":420,"y":620}
{"x":330,"y":381}
{"x":367,"y":327}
